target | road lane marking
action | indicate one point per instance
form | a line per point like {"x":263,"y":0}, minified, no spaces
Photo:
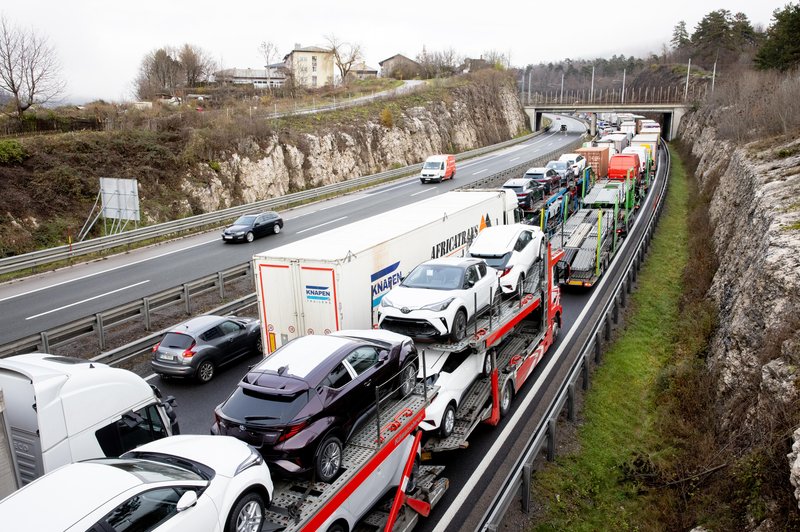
{"x":480,"y":171}
{"x":422,"y":191}
{"x":514,"y":159}
{"x":88,"y":299}
{"x":322,"y":225}
{"x":108,"y":270}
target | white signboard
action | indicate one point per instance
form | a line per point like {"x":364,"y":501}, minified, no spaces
{"x":120,"y":198}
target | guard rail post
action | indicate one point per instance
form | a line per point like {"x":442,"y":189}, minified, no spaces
{"x":146,"y":312}
{"x":101,"y":333}
{"x":187,"y":298}
{"x":221,"y":281}
{"x":551,"y":439}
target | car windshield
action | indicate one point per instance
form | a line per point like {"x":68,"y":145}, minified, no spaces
{"x":177,"y":341}
{"x":432,"y":165}
{"x":557,"y":165}
{"x":498,"y":262}
{"x":256,"y":408}
{"x":245,"y":220}
{"x":536,"y":177}
{"x":435,"y":277}
{"x":150,"y":471}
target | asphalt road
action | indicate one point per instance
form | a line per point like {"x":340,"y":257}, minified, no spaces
{"x":42,"y":302}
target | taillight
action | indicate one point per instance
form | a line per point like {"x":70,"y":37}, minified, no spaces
{"x":189,"y":353}
{"x":505,"y":272}
{"x":292,"y":430}
{"x":155,"y":347}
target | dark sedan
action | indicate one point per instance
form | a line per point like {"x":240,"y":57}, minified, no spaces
{"x":251,"y":226}
{"x":196,"y":348}
{"x":301,"y":404}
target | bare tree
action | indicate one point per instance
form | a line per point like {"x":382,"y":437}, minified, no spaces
{"x":345,"y":55}
{"x":29,"y":68}
{"x":160,"y":73}
{"x":197,"y":64}
{"x":496,"y":59}
{"x":270,"y":53}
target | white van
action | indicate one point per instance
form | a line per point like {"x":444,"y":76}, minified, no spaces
{"x":438,"y":168}
{"x":60,"y":410}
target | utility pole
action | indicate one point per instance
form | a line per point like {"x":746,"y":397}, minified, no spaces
{"x":623,"y":85}
{"x":529,"y":85}
{"x":561,"y":98}
{"x":686,"y":88}
{"x":591,"y":91}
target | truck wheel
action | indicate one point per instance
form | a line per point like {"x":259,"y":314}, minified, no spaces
{"x":329,"y":458}
{"x":453,"y":175}
{"x":556,"y":328}
{"x":408,"y":380}
{"x":448,"y":421}
{"x":249,"y":236}
{"x":505,"y":399}
{"x":247,"y":514}
{"x":459,"y":329}
{"x":205,"y":371}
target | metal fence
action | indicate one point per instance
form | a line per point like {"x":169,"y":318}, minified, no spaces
{"x":105,"y":243}
{"x":517,"y":483}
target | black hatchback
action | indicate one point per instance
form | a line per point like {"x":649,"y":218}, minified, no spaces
{"x":197,"y":347}
{"x":303,"y":402}
{"x":251,"y":226}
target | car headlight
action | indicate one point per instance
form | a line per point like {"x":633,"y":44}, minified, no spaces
{"x":440,"y":306}
{"x":254,"y":459}
{"x":239,"y":233}
{"x":385,"y":302}
{"x":431,"y":380}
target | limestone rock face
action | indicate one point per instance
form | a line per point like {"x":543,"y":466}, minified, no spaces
{"x":474,"y":116}
{"x":755,"y":209}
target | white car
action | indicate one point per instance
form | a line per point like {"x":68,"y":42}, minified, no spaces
{"x":452,"y":373}
{"x":511,"y":250}
{"x":576,"y":161}
{"x":198,"y":483}
{"x":439,"y":297}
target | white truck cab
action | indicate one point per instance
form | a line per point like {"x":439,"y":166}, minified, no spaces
{"x":60,"y":410}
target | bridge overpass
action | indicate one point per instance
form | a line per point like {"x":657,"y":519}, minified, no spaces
{"x":670,"y":114}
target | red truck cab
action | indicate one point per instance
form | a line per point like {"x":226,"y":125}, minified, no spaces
{"x":623,"y":165}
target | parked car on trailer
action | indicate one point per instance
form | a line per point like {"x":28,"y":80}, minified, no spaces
{"x":576,"y":162}
{"x":527,"y":191}
{"x":546,"y":177}
{"x":197,"y":347}
{"x":301,"y":404}
{"x":563,"y":170}
{"x":251,"y":226}
{"x":511,"y":250}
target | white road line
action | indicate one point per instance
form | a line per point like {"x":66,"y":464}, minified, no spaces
{"x":108,"y":270}
{"x":340,"y":204}
{"x":88,"y":299}
{"x":511,"y":425}
{"x":398,"y":186}
{"x":422,"y":191}
{"x":512,"y":160}
{"x":480,"y":171}
{"x":322,"y":225}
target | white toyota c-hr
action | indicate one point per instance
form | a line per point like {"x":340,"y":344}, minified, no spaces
{"x":439,"y":297}
{"x":511,"y":250}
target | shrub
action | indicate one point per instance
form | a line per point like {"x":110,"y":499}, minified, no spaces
{"x":387,"y":120}
{"x":11,"y":152}
{"x":214,"y":165}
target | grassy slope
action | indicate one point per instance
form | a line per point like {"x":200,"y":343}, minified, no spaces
{"x":589,"y":490}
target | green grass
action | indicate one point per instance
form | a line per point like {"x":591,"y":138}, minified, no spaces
{"x":590,"y":490}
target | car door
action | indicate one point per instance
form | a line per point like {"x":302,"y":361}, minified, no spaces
{"x":156,"y":509}
{"x":336,"y":393}
{"x":213,"y":344}
{"x":260,"y":225}
{"x":363,"y":363}
{"x":487,"y":284}
{"x":234,"y":340}
{"x":526,"y":252}
{"x":471,"y":290}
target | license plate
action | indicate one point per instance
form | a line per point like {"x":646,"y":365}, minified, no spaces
{"x":166,"y":357}
{"x":226,"y":237}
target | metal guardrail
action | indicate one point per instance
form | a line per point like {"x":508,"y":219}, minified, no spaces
{"x":141,"y":309}
{"x":47,"y":256}
{"x":518,"y":480}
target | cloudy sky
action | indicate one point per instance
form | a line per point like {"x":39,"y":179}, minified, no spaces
{"x":100,"y":44}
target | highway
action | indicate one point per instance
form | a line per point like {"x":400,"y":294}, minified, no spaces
{"x":42,"y":302}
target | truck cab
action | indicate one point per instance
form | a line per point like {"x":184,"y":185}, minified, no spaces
{"x":60,"y":410}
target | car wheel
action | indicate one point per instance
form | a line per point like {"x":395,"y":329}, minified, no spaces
{"x":487,"y":364}
{"x":408,"y":380}
{"x":259,"y":347}
{"x":276,"y":228}
{"x":520,"y":292}
{"x":505,"y":398}
{"x":448,"y":421}
{"x":337,"y":527}
{"x":247,"y":514}
{"x":411,"y":485}
{"x":459,"y":329}
{"x":249,"y":236}
{"x":205,"y":371}
{"x":329,"y":458}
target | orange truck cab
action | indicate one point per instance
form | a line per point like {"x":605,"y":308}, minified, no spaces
{"x":438,"y":168}
{"x":623,"y":165}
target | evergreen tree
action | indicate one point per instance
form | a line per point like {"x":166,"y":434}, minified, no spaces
{"x":781,"y":47}
{"x":680,"y":36}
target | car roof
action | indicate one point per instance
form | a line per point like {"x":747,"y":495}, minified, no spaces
{"x":565,"y":156}
{"x":67,"y":494}
{"x":536,"y":170}
{"x":517,"y":182}
{"x":303,"y":355}
{"x":197,"y":324}
{"x":499,"y":238}
{"x":452,"y":261}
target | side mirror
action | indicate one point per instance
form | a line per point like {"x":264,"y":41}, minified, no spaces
{"x":383,"y":355}
{"x":186,"y":501}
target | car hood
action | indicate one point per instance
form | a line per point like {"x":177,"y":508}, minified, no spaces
{"x":223,"y":454}
{"x":235,"y":228}
{"x":414,"y":298}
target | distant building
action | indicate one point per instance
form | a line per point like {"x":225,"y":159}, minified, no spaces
{"x":473,"y":65}
{"x":272,"y":76}
{"x":311,"y":66}
{"x":400,"y":67}
{"x":362,"y":71}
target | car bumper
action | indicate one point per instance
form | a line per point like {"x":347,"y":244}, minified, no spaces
{"x":416,"y":327}
{"x":233,"y":238}
{"x":172,"y":370}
